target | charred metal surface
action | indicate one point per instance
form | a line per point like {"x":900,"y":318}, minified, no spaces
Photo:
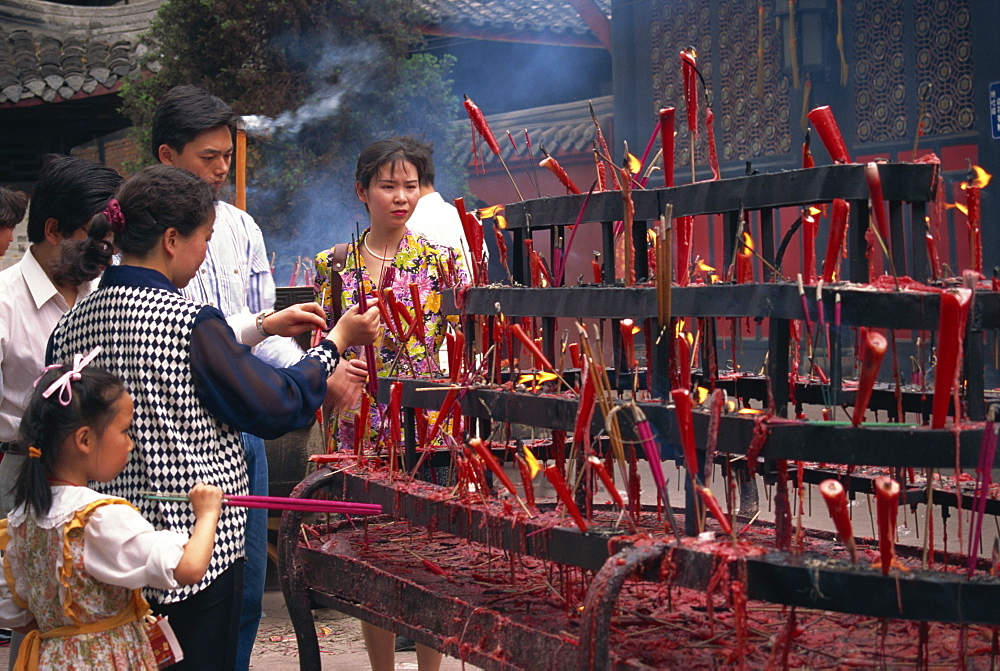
{"x":900,"y":182}
{"x":833,"y":442}
{"x":867,"y":307}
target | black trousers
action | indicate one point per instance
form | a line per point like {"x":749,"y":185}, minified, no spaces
{"x":207,"y":624}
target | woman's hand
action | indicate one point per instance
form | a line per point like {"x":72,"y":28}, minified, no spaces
{"x":295,"y":319}
{"x":343,"y":388}
{"x":355,"y":328}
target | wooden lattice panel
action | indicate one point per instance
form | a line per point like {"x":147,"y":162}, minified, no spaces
{"x":943,"y":37}
{"x":880,"y":68}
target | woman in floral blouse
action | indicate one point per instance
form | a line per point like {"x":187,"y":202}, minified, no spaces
{"x":391,"y":256}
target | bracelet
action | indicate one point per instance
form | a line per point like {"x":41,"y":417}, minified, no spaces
{"x":261,"y":316}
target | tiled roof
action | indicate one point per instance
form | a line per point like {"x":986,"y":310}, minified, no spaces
{"x":51,"y":52}
{"x":565,"y":129}
{"x":557,"y":16}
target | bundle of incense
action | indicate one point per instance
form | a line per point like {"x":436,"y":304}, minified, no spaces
{"x":278,"y":503}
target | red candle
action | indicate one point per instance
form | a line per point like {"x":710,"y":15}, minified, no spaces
{"x":685,"y":426}
{"x":442,"y":416}
{"x":491,"y":462}
{"x":473,"y":230}
{"x":873,"y":346}
{"x":713,"y":154}
{"x":685,"y":228}
{"x":456,"y":423}
{"x":526,"y":483}
{"x":836,"y":502}
{"x":972,"y":203}
{"x":532,"y":346}
{"x":835,"y":243}
{"x":418,"y":311}
{"x":932,"y":254}
{"x":954,"y":310}
{"x":628,"y":343}
{"x":744,"y":261}
{"x":807,"y":157}
{"x":683,"y":361}
{"x":395,"y":424}
{"x":887,"y":506}
{"x":667,"y":141}
{"x":456,"y":355}
{"x":605,"y":477}
{"x":552,"y":165}
{"x":712,"y":504}
{"x":598,"y":271}
{"x":574,"y":354}
{"x":689,"y":63}
{"x":878,"y":203}
{"x":361,"y":423}
{"x":552,"y":473}
{"x":809,"y":229}
{"x":585,"y":413}
{"x":822,"y":120}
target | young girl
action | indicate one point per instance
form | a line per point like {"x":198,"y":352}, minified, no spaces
{"x":195,"y":387}
{"x":74,"y":559}
{"x":387,"y":181}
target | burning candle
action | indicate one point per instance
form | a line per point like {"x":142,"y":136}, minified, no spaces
{"x":932,"y":254}
{"x":835,"y":243}
{"x":953,"y":311}
{"x":562,"y":491}
{"x":807,"y":157}
{"x":972,"y":204}
{"x":685,"y":426}
{"x":836,"y":502}
{"x":887,"y":506}
{"x":553,"y":166}
{"x":822,"y":120}
{"x":744,"y":260}
{"x":873,"y":346}
{"x":609,"y":484}
{"x":683,"y":356}
{"x":540,"y":360}
{"x":627,"y":328}
{"x":712,"y":505}
{"x":809,"y":229}
{"x":667,"y":141}
{"x":526,"y":480}
{"x":598,"y":271}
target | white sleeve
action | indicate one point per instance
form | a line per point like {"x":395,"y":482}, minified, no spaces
{"x":244,"y":325}
{"x":11,"y":615}
{"x":121,"y":548}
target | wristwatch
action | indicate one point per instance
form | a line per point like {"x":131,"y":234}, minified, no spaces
{"x":261,"y":316}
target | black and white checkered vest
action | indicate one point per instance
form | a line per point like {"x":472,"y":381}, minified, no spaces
{"x":146,"y":336}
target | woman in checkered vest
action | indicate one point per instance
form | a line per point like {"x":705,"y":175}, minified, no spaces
{"x":195,"y":387}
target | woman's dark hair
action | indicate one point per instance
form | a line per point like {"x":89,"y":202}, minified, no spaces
{"x":185,"y":112}
{"x":394,"y":151}
{"x":47,"y":423}
{"x":154,"y":199}
{"x":12,"y":207}
{"x":71,"y":191}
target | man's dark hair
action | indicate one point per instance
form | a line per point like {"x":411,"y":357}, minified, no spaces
{"x":425,"y":150}
{"x":185,"y":112}
{"x":71,"y":191}
{"x":12,"y":207}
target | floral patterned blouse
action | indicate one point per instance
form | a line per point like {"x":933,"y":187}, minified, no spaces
{"x":432,"y":268}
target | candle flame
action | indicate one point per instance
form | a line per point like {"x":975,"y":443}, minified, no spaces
{"x":632,"y":164}
{"x":533,"y":465}
{"x":746,"y":249}
{"x":813,"y":210}
{"x":536,"y":379}
{"x":749,"y":411}
{"x":958,"y":206}
{"x":702,"y":267}
{"x":700,"y":394}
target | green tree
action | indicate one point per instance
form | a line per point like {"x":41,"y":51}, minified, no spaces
{"x":328,"y":78}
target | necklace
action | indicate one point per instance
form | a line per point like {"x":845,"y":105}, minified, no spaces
{"x":56,"y":481}
{"x":364,"y":241}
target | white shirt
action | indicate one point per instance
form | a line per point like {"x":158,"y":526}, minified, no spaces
{"x":119,"y":547}
{"x":236,"y":278}
{"x":439,"y":222}
{"x":30,"y":307}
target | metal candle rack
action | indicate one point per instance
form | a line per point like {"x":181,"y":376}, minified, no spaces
{"x":309,"y":576}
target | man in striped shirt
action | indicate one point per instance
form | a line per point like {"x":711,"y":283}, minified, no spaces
{"x":193,"y":129}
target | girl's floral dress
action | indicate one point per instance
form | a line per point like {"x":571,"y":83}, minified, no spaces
{"x":44,"y":575}
{"x":432,"y":268}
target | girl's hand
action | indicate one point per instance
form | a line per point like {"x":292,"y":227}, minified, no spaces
{"x":206,"y":500}
{"x":295,"y":319}
{"x":354,"y":328}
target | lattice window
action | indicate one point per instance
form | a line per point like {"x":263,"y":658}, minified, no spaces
{"x":943,"y":37}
